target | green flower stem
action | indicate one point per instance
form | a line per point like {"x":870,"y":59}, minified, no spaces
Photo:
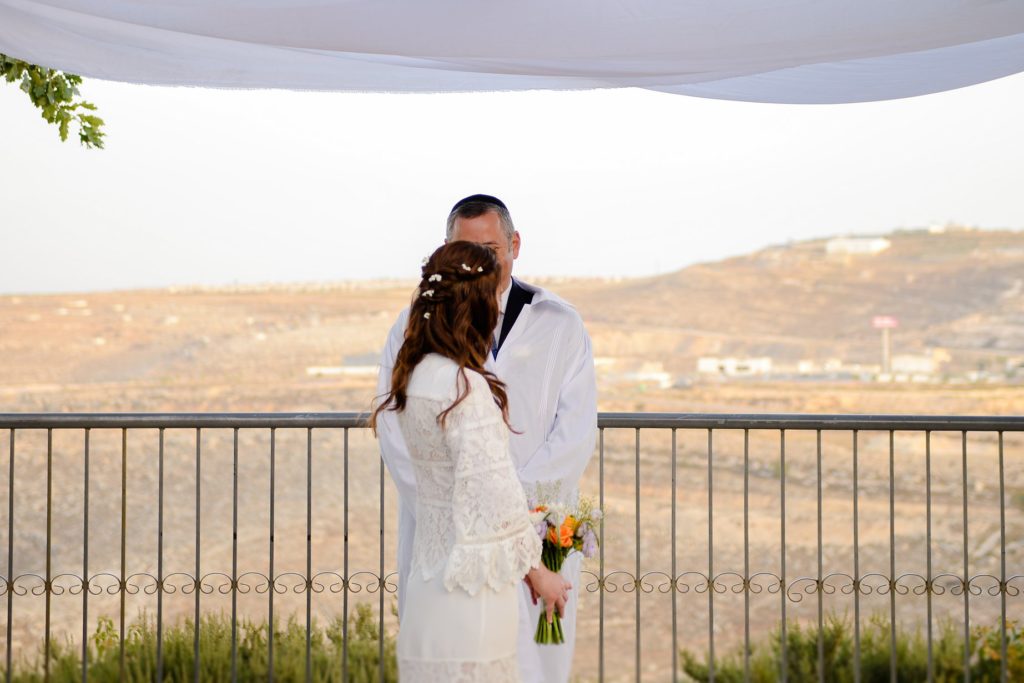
{"x":551,"y":633}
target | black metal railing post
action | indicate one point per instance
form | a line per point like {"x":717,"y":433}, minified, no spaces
{"x":9,"y":585}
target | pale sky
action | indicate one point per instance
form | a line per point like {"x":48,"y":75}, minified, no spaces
{"x":217,"y":187}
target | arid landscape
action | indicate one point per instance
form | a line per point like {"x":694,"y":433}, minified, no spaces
{"x":958,"y":296}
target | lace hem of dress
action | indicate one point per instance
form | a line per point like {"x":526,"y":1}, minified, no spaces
{"x":473,"y":566}
{"x":504,"y":670}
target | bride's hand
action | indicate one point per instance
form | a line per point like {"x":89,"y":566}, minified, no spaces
{"x":550,"y":587}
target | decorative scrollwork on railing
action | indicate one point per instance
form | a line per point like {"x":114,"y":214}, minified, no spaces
{"x":141,"y":581}
{"x":646,"y":582}
{"x":681,"y":583}
{"x":328,"y":581}
{"x":105,"y":583}
{"x":619,"y":580}
{"x":390,"y":582}
{"x":26,"y":584}
{"x":291,"y":581}
{"x":179,"y":582}
{"x":797,"y":589}
{"x":248,"y":582}
{"x":69,"y":583}
{"x":911,"y":582}
{"x":686,"y":582}
{"x":729,"y":582}
{"x":596,"y":584}
{"x":954,"y":583}
{"x":977,"y":584}
{"x":828,"y":584}
{"x":873,"y":583}
{"x":372,"y":583}
{"x":773,"y":586}
{"x":216,"y":582}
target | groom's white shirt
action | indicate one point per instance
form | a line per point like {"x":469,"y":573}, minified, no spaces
{"x":547,"y":365}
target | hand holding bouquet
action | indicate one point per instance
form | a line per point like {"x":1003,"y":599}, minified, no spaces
{"x":563,"y":529}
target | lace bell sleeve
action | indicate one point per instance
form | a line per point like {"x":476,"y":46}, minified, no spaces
{"x":495,"y":544}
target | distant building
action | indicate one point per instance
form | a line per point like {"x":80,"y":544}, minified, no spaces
{"x":810,"y":367}
{"x":343,"y":370}
{"x":656,"y":378}
{"x":734,"y":367}
{"x":361,"y":365}
{"x":913,"y":365}
{"x":863,"y":246}
{"x":632,"y":371}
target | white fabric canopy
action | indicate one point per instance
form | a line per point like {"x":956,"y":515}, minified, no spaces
{"x":798,"y":51}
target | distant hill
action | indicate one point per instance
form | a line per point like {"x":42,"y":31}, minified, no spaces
{"x":959,"y":289}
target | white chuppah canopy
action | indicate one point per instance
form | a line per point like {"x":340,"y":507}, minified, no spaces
{"x":797,"y":51}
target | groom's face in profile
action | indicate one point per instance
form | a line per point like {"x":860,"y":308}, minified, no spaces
{"x":486,"y":230}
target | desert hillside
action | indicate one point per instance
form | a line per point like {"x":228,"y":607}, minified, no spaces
{"x":959,"y":292}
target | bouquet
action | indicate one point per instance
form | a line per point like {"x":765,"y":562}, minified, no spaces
{"x":563,"y":529}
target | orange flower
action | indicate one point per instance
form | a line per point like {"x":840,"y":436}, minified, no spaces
{"x":563,"y":537}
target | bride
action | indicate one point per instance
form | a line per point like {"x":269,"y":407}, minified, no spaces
{"x":474,"y":541}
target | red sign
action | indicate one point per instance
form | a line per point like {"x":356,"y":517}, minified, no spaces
{"x":881,"y":322}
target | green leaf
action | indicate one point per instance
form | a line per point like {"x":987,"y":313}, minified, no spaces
{"x":55,"y":94}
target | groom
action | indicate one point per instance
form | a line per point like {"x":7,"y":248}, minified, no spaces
{"x":542,"y":353}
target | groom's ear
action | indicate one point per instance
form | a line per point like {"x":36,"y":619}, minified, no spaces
{"x":515,"y":244}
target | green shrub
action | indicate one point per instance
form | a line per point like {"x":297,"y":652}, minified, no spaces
{"x":215,"y":652}
{"x":837,"y":639}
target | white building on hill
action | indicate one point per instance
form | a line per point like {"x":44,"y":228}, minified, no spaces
{"x":862,"y":246}
{"x":734,"y":367}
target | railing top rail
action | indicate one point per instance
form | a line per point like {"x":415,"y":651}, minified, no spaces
{"x":798,"y":421}
{"x":769,"y":421}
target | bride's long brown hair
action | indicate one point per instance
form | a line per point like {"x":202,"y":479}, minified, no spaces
{"x":453,"y":314}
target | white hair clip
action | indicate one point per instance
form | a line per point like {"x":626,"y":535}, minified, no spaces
{"x":427,"y":315}
{"x":479,"y":269}
{"x":429,"y":292}
{"x":436,"y":277}
{"x":466,"y":268}
{"x":425,"y":260}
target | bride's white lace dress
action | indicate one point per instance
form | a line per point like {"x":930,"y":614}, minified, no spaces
{"x":474,"y":541}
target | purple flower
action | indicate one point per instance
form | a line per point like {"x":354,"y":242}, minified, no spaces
{"x":539,"y":519}
{"x":589,"y":543}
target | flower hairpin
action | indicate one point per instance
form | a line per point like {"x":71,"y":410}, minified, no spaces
{"x":479,"y":269}
{"x":436,"y":277}
{"x":426,"y":259}
{"x":427,"y":315}
{"x":466,"y":268}
{"x":429,"y":292}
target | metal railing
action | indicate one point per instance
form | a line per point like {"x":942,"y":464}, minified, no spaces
{"x":721,"y":440}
